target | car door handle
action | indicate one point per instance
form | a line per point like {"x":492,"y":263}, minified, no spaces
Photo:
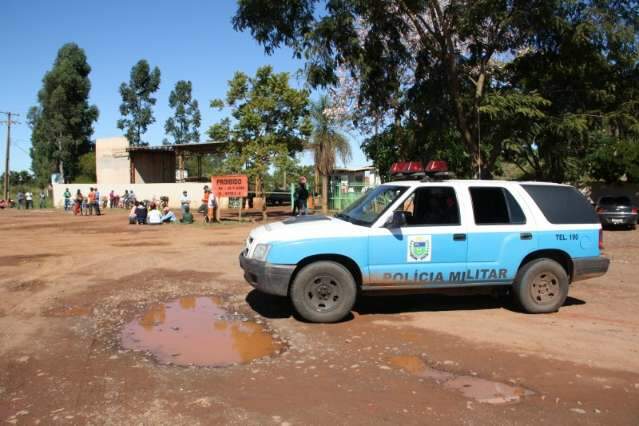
{"x":459,"y":237}
{"x":525,"y":236}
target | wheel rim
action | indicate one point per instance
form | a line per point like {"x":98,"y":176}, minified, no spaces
{"x":323,"y":293}
{"x":545,"y":289}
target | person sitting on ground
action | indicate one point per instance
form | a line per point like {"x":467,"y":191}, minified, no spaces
{"x":169,"y":216}
{"x":133,"y":218}
{"x":187,"y":217}
{"x":140,"y":213}
{"x":155,"y":217}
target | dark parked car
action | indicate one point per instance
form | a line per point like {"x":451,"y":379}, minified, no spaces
{"x":617,"y":211}
{"x":278,"y":197}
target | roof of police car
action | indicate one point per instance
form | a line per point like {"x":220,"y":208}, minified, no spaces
{"x":468,"y":181}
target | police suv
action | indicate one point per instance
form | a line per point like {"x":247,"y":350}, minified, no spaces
{"x":416,"y":235}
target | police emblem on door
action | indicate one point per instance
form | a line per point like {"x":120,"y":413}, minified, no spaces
{"x":419,"y":249}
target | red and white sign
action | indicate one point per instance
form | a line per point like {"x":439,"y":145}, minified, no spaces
{"x":230,"y":186}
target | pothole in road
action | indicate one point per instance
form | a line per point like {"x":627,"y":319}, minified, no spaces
{"x":198,"y":331}
{"x":478,"y":389}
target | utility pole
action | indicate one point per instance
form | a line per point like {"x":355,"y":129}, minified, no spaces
{"x":6,"y":160}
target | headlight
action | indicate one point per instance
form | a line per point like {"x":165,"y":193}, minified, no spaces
{"x":260,"y":252}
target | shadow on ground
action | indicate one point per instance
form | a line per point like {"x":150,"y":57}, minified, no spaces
{"x":276,"y":307}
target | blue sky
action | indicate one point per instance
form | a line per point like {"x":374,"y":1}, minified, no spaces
{"x":188,"y":40}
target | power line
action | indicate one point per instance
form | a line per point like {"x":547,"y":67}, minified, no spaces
{"x":9,"y":122}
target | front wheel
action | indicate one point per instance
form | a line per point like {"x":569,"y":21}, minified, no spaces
{"x":541,"y":286}
{"x":323,"y":291}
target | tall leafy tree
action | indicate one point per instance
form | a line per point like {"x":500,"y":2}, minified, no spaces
{"x":534,"y":82}
{"x":430,"y":62}
{"x":583,"y":61}
{"x":269,"y":119}
{"x":327,"y":143}
{"x":138,"y":100}
{"x":62,"y":122}
{"x":184,"y":126}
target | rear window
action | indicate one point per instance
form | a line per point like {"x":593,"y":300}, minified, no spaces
{"x":562,"y":204}
{"x":495,"y":206}
{"x":615,"y":201}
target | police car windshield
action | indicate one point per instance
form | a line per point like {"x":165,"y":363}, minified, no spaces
{"x":370,"y":206}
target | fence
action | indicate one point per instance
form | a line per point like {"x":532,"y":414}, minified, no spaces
{"x":342,"y":194}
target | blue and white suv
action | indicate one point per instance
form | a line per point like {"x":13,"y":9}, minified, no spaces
{"x":535,"y":238}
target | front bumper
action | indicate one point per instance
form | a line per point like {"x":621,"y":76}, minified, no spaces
{"x":589,"y":267}
{"x":268,"y":278}
{"x":618,"y":218}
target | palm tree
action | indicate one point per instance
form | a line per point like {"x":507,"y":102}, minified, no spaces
{"x":326,"y":143}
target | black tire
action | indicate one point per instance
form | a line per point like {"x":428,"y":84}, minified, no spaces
{"x":323,"y":292}
{"x":541,"y":286}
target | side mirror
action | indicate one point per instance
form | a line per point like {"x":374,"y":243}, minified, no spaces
{"x":398,"y":220}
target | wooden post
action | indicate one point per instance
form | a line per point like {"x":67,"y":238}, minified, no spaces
{"x":239,"y":212}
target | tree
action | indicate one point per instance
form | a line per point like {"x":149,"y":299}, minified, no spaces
{"x":86,"y":172}
{"x":270,"y":120}
{"x":184,"y":125}
{"x":530,"y":82}
{"x":137,"y":101}
{"x":584,"y":63}
{"x":21,"y":178}
{"x":429,"y":62}
{"x":326,"y":144}
{"x":62,"y":122}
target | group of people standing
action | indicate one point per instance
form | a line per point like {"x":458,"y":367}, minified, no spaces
{"x":83,"y":205}
{"x":25,"y":200}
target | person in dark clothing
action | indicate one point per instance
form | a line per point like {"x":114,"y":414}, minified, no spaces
{"x":140,"y":213}
{"x":187,"y":216}
{"x":301,"y":197}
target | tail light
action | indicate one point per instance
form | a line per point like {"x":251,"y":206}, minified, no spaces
{"x":601,"y":239}
{"x":634,"y":210}
{"x":600,"y":210}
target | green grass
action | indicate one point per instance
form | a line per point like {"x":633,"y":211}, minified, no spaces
{"x":13,"y":194}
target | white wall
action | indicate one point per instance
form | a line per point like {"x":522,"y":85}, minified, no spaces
{"x":111,"y":160}
{"x":143,"y":191}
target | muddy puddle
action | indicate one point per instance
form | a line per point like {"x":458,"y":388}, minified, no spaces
{"x":198,"y":331}
{"x":471,"y":387}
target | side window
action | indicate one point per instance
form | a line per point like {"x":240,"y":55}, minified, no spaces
{"x":495,"y":206}
{"x":562,"y":204}
{"x":432,"y":206}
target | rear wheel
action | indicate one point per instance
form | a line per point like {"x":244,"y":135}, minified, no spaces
{"x":323,"y":291}
{"x":541,"y":286}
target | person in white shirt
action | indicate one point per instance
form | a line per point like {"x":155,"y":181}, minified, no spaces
{"x":212,"y":208}
{"x":185,"y":201}
{"x":29,"y":197}
{"x":154,"y":217}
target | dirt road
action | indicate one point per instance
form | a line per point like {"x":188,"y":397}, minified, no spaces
{"x":70,"y":285}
